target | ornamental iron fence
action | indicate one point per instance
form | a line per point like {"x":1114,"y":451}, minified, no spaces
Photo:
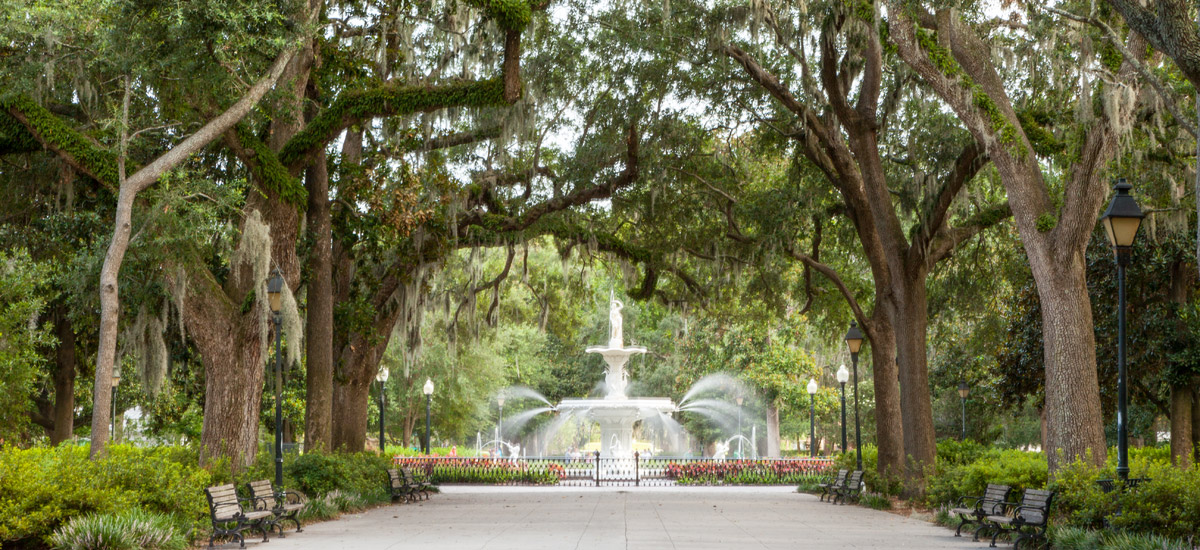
{"x":594,"y":470}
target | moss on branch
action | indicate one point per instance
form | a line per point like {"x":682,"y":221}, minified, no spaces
{"x":269,"y":172}
{"x":387,"y":100}
{"x":510,"y":15}
{"x":56,"y":134}
{"x":944,"y":62}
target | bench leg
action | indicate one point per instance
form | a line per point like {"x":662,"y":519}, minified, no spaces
{"x":981,"y":531}
{"x":995,"y":535}
{"x":963,"y":522}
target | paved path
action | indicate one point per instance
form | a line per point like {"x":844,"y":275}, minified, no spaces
{"x":532,"y":518}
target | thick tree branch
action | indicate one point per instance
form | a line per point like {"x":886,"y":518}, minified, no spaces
{"x":1169,"y":27}
{"x":837,"y":281}
{"x":947,"y":240}
{"x":970,"y":161}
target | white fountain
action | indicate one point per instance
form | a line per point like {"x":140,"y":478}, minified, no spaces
{"x":616,"y":412}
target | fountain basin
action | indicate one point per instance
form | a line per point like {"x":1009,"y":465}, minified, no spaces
{"x":616,"y":419}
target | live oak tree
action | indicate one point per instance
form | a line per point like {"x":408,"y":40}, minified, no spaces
{"x":815,"y":76}
{"x":1055,"y":220}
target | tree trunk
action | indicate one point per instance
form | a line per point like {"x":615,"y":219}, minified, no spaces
{"x":110,"y":309}
{"x":920,"y":445}
{"x":1073,"y":416}
{"x":318,"y":411}
{"x":233,"y":386}
{"x":773,"y":429}
{"x":1182,"y":437}
{"x":1182,"y":430}
{"x":350,"y":397}
{"x":64,"y":378}
{"x":889,"y":431}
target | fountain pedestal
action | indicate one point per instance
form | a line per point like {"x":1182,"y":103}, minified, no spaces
{"x":616,"y":412}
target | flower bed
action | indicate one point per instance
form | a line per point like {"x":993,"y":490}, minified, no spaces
{"x":746,"y":472}
{"x":485,"y":470}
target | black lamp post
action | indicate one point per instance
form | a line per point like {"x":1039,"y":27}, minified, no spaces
{"x":274,"y":292}
{"x":382,"y":378}
{"x":116,"y":381}
{"x":843,"y":376}
{"x":812,"y":417}
{"x":854,"y":340}
{"x":963,"y":391}
{"x":740,"y":399}
{"x":428,"y":389}
{"x":1121,"y":222}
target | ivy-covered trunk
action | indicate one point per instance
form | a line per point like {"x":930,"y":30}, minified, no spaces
{"x":356,"y":369}
{"x":1183,"y":431}
{"x":350,"y":399}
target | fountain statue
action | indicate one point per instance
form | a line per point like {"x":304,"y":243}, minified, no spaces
{"x":615,"y":337}
{"x":616,"y":412}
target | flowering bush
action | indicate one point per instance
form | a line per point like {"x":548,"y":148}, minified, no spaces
{"x":746,"y":472}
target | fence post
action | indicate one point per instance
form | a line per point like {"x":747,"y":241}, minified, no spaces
{"x":637,"y":474}
{"x":597,"y":455}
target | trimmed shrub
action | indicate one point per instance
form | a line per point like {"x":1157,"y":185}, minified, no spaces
{"x":317,"y":473}
{"x":1018,"y":469}
{"x":132,"y":529}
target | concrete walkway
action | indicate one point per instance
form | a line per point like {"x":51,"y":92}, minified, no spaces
{"x":532,"y":518}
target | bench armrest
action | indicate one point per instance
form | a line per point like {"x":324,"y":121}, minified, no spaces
{"x":973,"y":500}
{"x":290,"y":497}
{"x":256,"y":504}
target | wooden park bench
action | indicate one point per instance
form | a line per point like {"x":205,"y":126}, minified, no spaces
{"x":398,"y":487}
{"x":418,"y":486}
{"x":833,"y":484}
{"x":972,"y":510}
{"x":852,"y":489}
{"x":1027,"y":520}
{"x":229,"y":518}
{"x":285,"y":505}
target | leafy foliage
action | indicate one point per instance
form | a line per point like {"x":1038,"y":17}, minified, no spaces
{"x":21,"y":335}
{"x":131,"y":529}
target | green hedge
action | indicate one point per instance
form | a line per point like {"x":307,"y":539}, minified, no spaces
{"x":42,"y":488}
{"x":316,"y":473}
{"x":1018,"y":469}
